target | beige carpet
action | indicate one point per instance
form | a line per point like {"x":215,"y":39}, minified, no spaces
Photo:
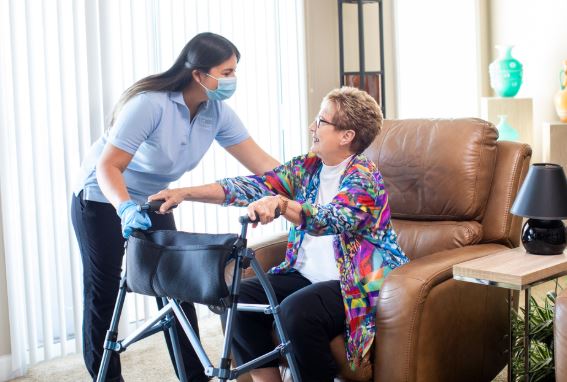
{"x":147,"y":360}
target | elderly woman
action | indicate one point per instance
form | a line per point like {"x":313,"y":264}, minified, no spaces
{"x":340,"y":248}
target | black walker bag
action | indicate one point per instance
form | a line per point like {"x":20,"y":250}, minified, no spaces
{"x":181,"y":265}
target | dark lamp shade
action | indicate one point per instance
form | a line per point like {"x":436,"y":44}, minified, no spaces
{"x":543,"y":194}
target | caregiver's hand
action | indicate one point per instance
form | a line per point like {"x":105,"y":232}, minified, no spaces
{"x":171,"y":197}
{"x":132,"y":218}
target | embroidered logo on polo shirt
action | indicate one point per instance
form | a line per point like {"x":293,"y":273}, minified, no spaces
{"x":206,"y":122}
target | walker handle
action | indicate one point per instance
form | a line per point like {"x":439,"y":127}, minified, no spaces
{"x":245,"y":219}
{"x":153,"y":206}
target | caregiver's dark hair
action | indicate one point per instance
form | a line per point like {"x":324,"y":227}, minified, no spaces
{"x":202,"y":52}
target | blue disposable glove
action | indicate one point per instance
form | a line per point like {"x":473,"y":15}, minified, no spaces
{"x":132,"y":218}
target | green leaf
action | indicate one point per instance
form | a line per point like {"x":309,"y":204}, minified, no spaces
{"x":542,"y":367}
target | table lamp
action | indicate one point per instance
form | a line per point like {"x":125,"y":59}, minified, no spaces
{"x":543,"y":200}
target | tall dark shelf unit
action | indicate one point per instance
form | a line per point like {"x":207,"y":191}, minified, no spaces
{"x":371,"y":81}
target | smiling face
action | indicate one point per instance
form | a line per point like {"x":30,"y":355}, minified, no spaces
{"x":329,"y":143}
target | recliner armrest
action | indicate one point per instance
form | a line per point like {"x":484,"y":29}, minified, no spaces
{"x":427,"y":283}
{"x":270,"y":251}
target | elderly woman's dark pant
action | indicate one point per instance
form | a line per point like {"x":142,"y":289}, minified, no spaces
{"x":313,"y":314}
{"x":99,"y":235}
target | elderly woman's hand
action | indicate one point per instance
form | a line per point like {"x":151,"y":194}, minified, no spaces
{"x":171,"y":199}
{"x":264,"y":209}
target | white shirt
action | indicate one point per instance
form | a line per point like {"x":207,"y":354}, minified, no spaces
{"x":316,"y":255}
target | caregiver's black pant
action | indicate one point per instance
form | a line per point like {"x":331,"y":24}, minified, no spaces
{"x":313,"y":314}
{"x":98,"y":231}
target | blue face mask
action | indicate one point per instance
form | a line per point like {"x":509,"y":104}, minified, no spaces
{"x":225,"y":89}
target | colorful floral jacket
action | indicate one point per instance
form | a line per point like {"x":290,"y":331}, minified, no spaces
{"x":366,"y":248}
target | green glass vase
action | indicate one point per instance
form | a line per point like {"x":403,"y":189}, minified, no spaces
{"x":505,"y":73}
{"x":505,"y":131}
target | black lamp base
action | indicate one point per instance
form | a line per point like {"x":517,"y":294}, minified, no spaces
{"x":544,"y":237}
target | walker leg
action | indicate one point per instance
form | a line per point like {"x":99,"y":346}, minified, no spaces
{"x":282,"y":335}
{"x":176,"y":348}
{"x":177,"y":359}
{"x":110,"y":342}
{"x":224,"y":365}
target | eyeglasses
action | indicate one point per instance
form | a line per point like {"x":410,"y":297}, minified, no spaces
{"x":320,"y":120}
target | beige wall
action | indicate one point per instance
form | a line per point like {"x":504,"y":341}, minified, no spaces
{"x":538,"y":31}
{"x":321,"y":51}
{"x":4,"y":323}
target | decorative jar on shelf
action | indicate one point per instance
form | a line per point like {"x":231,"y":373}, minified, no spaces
{"x":561,"y":95}
{"x":505,"y":131}
{"x":505,"y":73}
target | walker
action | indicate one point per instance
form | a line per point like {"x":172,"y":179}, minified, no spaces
{"x":180,"y":266}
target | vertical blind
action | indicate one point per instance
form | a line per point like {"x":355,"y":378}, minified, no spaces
{"x":64,"y":65}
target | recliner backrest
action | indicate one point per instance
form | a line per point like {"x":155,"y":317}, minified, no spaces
{"x":444,"y":184}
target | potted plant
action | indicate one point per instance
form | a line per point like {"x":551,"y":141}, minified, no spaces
{"x":542,"y":367}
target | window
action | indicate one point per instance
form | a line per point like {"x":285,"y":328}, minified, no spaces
{"x":65,"y":64}
{"x":437,"y":58}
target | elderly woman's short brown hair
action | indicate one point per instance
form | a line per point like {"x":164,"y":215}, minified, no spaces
{"x":356,"y":110}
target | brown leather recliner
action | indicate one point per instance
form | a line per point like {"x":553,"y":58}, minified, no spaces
{"x":560,"y":337}
{"x":451,"y":186}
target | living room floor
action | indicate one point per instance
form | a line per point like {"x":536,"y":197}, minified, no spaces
{"x":148,"y":359}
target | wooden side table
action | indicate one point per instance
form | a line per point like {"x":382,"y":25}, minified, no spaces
{"x":513,"y":269}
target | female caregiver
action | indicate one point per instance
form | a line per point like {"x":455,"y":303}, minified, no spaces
{"x":161,"y":128}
